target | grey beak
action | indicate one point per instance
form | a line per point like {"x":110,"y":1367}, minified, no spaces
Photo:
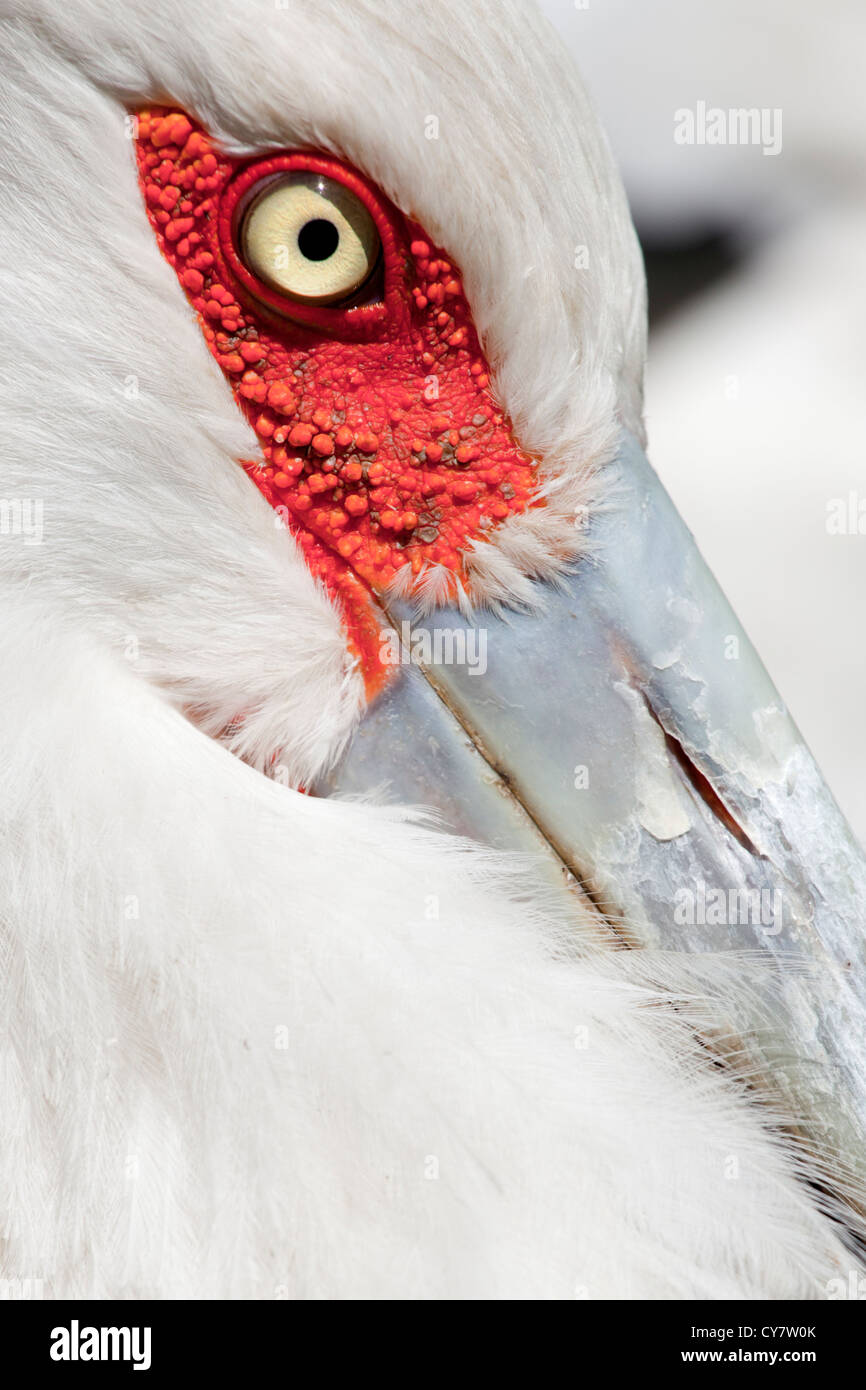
{"x":630,"y":738}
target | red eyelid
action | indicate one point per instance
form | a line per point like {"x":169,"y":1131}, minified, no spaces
{"x":360,"y":319}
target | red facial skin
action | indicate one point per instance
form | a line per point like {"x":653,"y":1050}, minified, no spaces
{"x":382,"y":445}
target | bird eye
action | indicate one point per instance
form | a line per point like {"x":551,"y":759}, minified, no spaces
{"x":308,"y":237}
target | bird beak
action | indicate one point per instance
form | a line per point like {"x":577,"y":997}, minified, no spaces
{"x":629,"y":738}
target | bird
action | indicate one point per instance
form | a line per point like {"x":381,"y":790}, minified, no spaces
{"x":327,"y":360}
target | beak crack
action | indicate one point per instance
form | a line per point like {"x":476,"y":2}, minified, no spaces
{"x":701,"y":786}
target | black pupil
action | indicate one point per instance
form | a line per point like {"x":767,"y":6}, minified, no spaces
{"x":318,"y":239}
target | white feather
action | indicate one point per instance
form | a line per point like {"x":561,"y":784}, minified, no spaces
{"x":258,"y":1043}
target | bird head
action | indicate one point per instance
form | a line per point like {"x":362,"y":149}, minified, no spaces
{"x":349,"y":345}
{"x":332,"y":337}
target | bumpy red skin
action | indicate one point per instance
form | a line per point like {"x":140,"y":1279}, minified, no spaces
{"x":382,"y":445}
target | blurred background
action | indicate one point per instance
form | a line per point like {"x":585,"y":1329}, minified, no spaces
{"x":756,"y":263}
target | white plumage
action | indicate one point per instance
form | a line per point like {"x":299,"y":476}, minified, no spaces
{"x":258,"y":1044}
